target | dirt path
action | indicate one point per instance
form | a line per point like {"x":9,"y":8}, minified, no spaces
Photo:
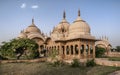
{"x":115,"y":73}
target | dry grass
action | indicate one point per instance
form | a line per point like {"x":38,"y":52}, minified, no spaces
{"x":46,"y":69}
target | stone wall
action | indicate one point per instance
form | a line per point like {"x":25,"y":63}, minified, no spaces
{"x":114,"y":54}
{"x":99,"y":61}
{"x":106,"y":62}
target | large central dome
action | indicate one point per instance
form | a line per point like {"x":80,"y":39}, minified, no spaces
{"x":79,"y":27}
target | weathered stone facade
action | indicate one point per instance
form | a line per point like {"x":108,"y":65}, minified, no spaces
{"x":70,"y":40}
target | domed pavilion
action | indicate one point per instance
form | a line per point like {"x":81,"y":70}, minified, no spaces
{"x":72,"y":41}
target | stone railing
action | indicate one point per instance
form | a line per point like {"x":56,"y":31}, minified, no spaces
{"x":106,"y":62}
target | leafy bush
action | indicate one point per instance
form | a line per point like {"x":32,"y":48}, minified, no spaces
{"x":54,"y":54}
{"x":99,"y":52}
{"x":2,"y":58}
{"x":90,"y":63}
{"x":58,"y":63}
{"x":75,"y":63}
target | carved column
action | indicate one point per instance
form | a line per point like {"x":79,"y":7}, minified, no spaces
{"x":39,"y":50}
{"x":69,"y":50}
{"x":79,"y":51}
{"x":89,"y":51}
{"x":60,"y":50}
{"x":93,"y":50}
{"x":84,"y":50}
{"x":73,"y":49}
{"x":65,"y":51}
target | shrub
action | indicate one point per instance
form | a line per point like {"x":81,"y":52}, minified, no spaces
{"x":54,"y":54}
{"x":90,"y":63}
{"x":58,"y":63}
{"x":75,"y":63}
{"x":2,"y":58}
{"x":99,"y":52}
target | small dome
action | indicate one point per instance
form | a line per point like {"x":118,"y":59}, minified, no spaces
{"x":79,"y":27}
{"x":63,"y":24}
{"x":32,"y":28}
{"x":22,"y":35}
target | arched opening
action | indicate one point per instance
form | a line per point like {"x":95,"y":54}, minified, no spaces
{"x":49,"y":48}
{"x":54,"y":47}
{"x":52,"y":50}
{"x":58,"y":49}
{"x":71,"y":50}
{"x":43,"y":50}
{"x":67,"y":50}
{"x":82,"y":49}
{"x":41,"y":47}
{"x":76,"y":49}
{"x":49,"y":51}
{"x":91,"y":49}
{"x":87,"y":48}
{"x":63,"y":49}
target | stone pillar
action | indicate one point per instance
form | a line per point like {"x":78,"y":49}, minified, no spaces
{"x":69,"y":50}
{"x":48,"y":51}
{"x":65,"y":51}
{"x":84,"y":50}
{"x":60,"y":50}
{"x":73,"y":49}
{"x":88,"y":51}
{"x":79,"y":51}
{"x":39,"y":50}
{"x":93,"y":50}
{"x":109,"y":50}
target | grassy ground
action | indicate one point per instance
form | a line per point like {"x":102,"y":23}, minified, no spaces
{"x":47,"y":69}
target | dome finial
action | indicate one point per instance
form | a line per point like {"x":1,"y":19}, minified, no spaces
{"x":32,"y":20}
{"x":79,"y":12}
{"x":64,"y":15}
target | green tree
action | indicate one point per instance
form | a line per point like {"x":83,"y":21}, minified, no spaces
{"x":99,"y":52}
{"x":19,"y":47}
{"x":118,"y":48}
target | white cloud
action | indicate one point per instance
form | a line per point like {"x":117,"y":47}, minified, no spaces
{"x":34,"y":6}
{"x":23,"y":5}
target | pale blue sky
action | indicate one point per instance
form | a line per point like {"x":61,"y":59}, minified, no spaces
{"x":103,"y":16}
